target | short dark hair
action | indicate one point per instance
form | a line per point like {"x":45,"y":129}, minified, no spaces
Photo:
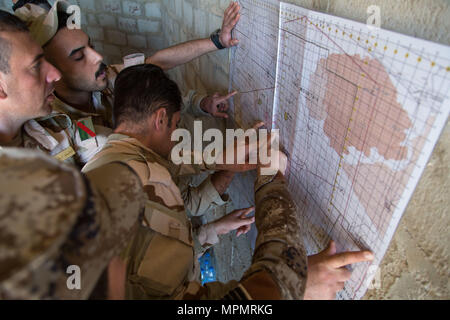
{"x":42,"y":3}
{"x":8,"y":23}
{"x":142,"y":90}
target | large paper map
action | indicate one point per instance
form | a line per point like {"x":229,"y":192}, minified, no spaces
{"x":359,"y":111}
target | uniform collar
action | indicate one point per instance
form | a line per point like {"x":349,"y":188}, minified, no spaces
{"x":136,"y":145}
{"x":74,"y":113}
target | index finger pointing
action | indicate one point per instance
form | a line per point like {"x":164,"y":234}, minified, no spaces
{"x":247,"y":212}
{"x":228,"y":96}
{"x":343,"y":259}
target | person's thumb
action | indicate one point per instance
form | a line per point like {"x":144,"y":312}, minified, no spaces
{"x":234,"y":42}
{"x":331,"y":249}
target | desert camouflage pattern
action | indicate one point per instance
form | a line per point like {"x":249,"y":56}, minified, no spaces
{"x":162,"y":259}
{"x":200,"y":199}
{"x":59,"y":134}
{"x":42,"y":24}
{"x":194,"y":187}
{"x":51,"y":135}
{"x":279,"y":267}
{"x":279,"y":246}
{"x":53,"y":217}
{"x":164,"y":236}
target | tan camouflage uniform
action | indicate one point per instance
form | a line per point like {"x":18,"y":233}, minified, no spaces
{"x":162,"y":260}
{"x":166,"y":234}
{"x":52,"y":217}
{"x":58,"y":134}
{"x":279,"y":267}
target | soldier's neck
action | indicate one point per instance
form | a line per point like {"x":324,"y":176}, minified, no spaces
{"x":9,"y":129}
{"x":148,"y":140}
{"x":80,"y":100}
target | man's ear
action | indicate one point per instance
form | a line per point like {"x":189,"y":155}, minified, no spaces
{"x":160,"y":119}
{"x":3,"y":87}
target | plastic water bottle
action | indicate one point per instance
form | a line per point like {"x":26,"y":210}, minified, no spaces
{"x":208,"y":273}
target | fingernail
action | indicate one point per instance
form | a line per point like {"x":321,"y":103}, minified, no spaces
{"x":368,"y":255}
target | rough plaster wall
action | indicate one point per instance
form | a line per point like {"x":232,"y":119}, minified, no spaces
{"x":185,"y":20}
{"x":119,"y":27}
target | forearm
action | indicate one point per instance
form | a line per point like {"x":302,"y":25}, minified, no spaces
{"x":182,"y":53}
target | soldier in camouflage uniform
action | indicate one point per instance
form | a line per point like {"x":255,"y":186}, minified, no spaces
{"x":166,"y":234}
{"x":26,"y":87}
{"x":142,"y":140}
{"x":84,"y":123}
{"x":53,"y":217}
{"x":84,"y":96}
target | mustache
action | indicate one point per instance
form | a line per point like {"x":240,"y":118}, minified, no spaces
{"x":51,"y":89}
{"x":101,"y":69}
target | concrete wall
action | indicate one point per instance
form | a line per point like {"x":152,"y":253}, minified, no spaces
{"x":185,"y":20}
{"x":416,"y":265}
{"x":118,"y":28}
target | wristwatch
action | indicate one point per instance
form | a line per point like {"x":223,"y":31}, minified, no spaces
{"x":215,"y":39}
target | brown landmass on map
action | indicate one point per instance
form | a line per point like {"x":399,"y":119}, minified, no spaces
{"x":358,"y":102}
{"x":379,"y":188}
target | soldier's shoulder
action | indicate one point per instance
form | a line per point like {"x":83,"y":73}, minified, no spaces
{"x":34,"y":205}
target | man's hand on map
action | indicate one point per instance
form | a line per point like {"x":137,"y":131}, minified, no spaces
{"x":230,"y":19}
{"x":217,"y":105}
{"x":241,"y":151}
{"x":327,"y":273}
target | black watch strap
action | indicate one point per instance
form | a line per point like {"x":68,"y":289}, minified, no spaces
{"x":215,"y":39}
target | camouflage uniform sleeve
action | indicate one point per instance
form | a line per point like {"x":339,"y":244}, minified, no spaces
{"x":191,"y":104}
{"x":279,"y":264}
{"x":204,"y":237}
{"x":199,"y":200}
{"x":183,"y":170}
{"x":279,"y":247}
